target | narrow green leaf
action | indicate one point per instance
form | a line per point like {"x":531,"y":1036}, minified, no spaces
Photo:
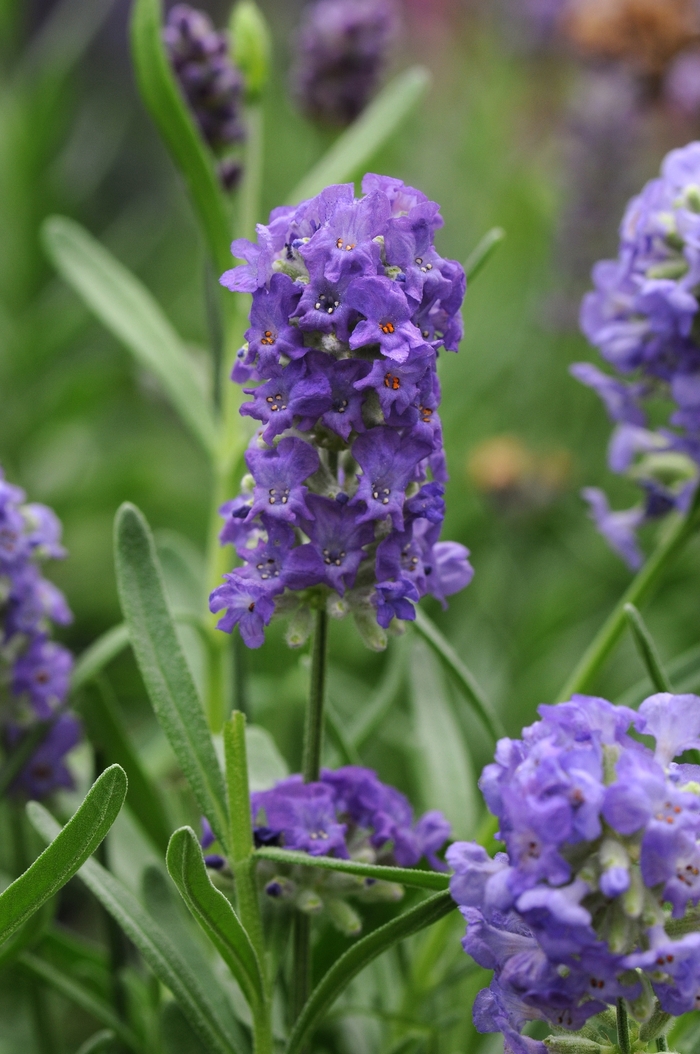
{"x":407,"y":876}
{"x":127,"y":309}
{"x":674,"y":539}
{"x":647,"y":650}
{"x":170,"y":112}
{"x":98,"y":655}
{"x":382,"y":699}
{"x":464,"y":677}
{"x":683,"y":671}
{"x":355,"y":147}
{"x":153,"y":943}
{"x":82,"y":997}
{"x":177,"y":1034}
{"x":482,"y":252}
{"x":60,"y":861}
{"x":107,"y":730}
{"x":163,"y":667}
{"x":214,"y":913}
{"x":442,"y":761}
{"x":360,"y":955}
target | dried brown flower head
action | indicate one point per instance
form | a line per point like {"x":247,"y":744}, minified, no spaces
{"x":645,"y":33}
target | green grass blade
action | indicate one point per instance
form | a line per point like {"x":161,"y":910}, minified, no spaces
{"x":482,"y":252}
{"x":464,"y":677}
{"x":407,"y":876}
{"x":153,"y":943}
{"x":163,"y":667}
{"x":60,"y":861}
{"x":127,"y":309}
{"x":77,"y":993}
{"x":360,"y":955}
{"x":98,"y":655}
{"x":102,"y":1040}
{"x":170,"y":112}
{"x":443,"y":764}
{"x":214,"y":913}
{"x":647,"y":650}
{"x":107,"y":730}
{"x":355,"y":147}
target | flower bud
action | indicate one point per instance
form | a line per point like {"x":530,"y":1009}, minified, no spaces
{"x":574,"y":1045}
{"x":250,"y":44}
{"x":343,"y":917}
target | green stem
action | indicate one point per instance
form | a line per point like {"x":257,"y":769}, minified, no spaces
{"x":313,"y":730}
{"x":623,"y":1028}
{"x":311,"y":765}
{"x":243,"y":865}
{"x":647,"y":650}
{"x":301,"y":958}
{"x":249,"y":197}
{"x":638,"y":590}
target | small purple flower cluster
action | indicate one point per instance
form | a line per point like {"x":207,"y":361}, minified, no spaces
{"x":642,"y":316}
{"x":602,"y":863}
{"x":342,"y":50}
{"x":351,"y":304}
{"x":34,"y":670}
{"x":211,"y":83}
{"x":348,"y":813}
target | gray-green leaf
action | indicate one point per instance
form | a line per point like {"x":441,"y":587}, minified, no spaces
{"x":124,"y":305}
{"x":163,"y":667}
{"x":60,"y":861}
{"x":214,"y":913}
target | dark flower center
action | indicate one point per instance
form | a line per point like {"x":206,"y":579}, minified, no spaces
{"x":276,"y":403}
{"x":279,"y":495}
{"x":392,"y":381}
{"x":386,"y":327}
{"x":269,"y":337}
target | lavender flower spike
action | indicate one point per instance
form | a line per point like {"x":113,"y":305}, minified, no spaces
{"x":603,"y":850}
{"x":36,"y":669}
{"x":348,"y":814}
{"x":342,"y":49}
{"x":344,"y":502}
{"x":642,"y":316}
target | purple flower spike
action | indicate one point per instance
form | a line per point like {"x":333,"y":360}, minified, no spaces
{"x":388,"y":462}
{"x":563,"y":941}
{"x":279,"y":475}
{"x":351,"y":306}
{"x":247,"y":605}
{"x":642,"y":316}
{"x":387,"y":318}
{"x":35,"y":670}
{"x":618,"y":528}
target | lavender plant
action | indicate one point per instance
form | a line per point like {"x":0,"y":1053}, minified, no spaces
{"x":334,"y":323}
